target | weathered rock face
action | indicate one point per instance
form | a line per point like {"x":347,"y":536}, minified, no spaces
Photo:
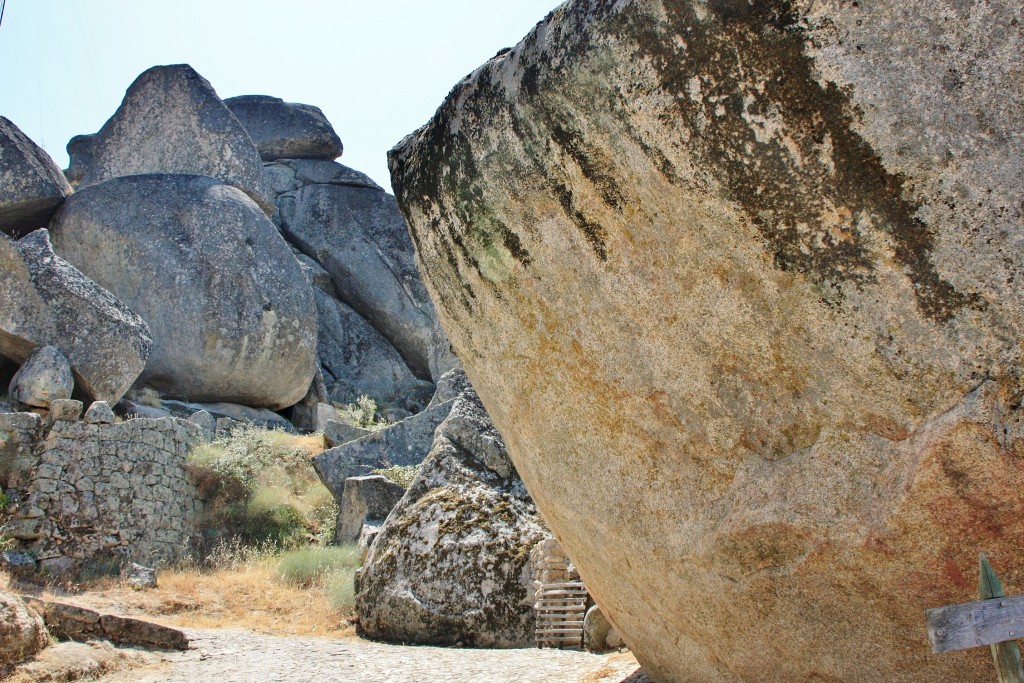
{"x":171,"y":121}
{"x":404,"y":443}
{"x":359,"y":237}
{"x":45,"y":376}
{"x":748,"y":314}
{"x":31,"y":185}
{"x":241,"y":324}
{"x":44,"y":300}
{"x":356,"y":359}
{"x":451,"y":563}
{"x":286,"y":130}
{"x":22,"y":632}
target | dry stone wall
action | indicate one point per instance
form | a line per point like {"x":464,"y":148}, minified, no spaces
{"x":108,"y":490}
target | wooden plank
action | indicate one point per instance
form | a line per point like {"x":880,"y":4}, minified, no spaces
{"x":1005,"y":655}
{"x":973,"y":624}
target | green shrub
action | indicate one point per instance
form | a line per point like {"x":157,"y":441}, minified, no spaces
{"x":340,"y":588}
{"x":400,"y":474}
{"x":313,"y":565}
{"x":362,"y":414}
{"x":4,"y":501}
{"x":260,"y":487}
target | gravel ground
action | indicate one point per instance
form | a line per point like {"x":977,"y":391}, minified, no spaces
{"x":231,"y":656}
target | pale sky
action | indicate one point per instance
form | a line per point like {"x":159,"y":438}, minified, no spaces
{"x":377,"y":68}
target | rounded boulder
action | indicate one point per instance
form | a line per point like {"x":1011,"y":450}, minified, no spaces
{"x":44,"y":377}
{"x":22,"y":632}
{"x":231,"y":314}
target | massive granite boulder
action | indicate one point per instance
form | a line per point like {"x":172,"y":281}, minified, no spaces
{"x":356,"y":232}
{"x":31,"y":185}
{"x":232,"y":316}
{"x":450,"y":565}
{"x":286,"y":130}
{"x":171,"y":121}
{"x":44,"y":300}
{"x":740,"y":284}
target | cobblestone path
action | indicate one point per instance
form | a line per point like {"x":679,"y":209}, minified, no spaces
{"x":227,"y":656}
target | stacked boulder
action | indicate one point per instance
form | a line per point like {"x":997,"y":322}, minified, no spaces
{"x":212,"y":265}
{"x":171,"y":215}
{"x":31,"y":185}
{"x":259,"y":271}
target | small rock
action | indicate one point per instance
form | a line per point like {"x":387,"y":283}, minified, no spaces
{"x":614,"y":639}
{"x":44,"y":377}
{"x":16,"y":561}
{"x":367,"y":535}
{"x":22,"y":632}
{"x":99,"y":413}
{"x":206,"y":422}
{"x":139,"y":577}
{"x":451,"y":384}
{"x":226,"y":424}
{"x":65,"y":410}
{"x":595,"y":630}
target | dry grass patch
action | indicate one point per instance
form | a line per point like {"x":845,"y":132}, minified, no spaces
{"x":250,"y":596}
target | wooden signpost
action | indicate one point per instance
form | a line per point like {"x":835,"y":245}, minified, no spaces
{"x":995,"y":620}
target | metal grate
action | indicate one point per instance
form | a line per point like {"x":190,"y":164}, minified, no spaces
{"x":560,"y":609}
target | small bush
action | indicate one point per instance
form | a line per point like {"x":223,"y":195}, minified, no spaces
{"x":4,"y":501}
{"x":260,"y":487}
{"x":313,"y":565}
{"x":340,"y":589}
{"x":363,"y":413}
{"x":148,"y":397}
{"x":400,"y":474}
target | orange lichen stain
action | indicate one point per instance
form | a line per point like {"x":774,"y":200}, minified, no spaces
{"x":659,"y":401}
{"x":875,"y":542}
{"x":885,"y":427}
{"x":954,"y":574}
